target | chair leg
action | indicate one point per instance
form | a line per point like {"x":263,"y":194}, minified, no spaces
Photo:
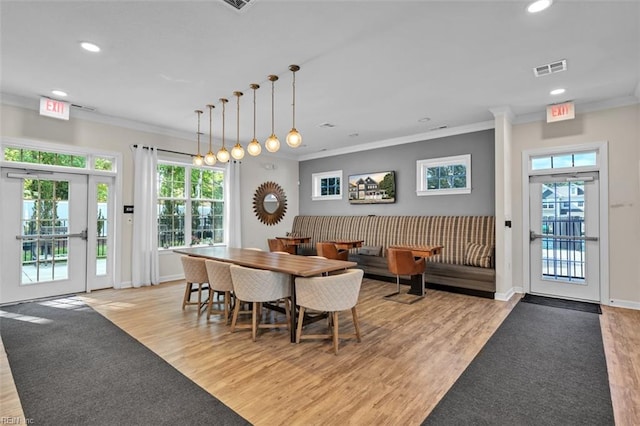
{"x":355,"y":323}
{"x":335,"y":332}
{"x":199,"y":298}
{"x":187,"y":295}
{"x":209,"y":305}
{"x":227,"y":305}
{"x":398,"y":287}
{"x":287,"y":311}
{"x":236,"y":310}
{"x":299,"y":328}
{"x":254,"y":321}
{"x":423,"y":285}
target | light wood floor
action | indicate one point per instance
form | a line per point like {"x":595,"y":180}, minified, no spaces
{"x":409,"y":356}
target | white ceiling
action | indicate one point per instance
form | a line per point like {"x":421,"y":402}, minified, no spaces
{"x":371,"y":68}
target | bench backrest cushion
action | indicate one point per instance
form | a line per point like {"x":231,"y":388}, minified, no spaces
{"x":452,"y":232}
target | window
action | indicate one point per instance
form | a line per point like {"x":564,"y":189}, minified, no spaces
{"x":26,"y":155}
{"x":327,"y":185}
{"x":563,"y":161}
{"x":190,"y":205}
{"x":443,"y":176}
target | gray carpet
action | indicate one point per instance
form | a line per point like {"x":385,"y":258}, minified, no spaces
{"x":543,"y":366}
{"x":72,"y":366}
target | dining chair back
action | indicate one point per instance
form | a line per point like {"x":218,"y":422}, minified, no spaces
{"x":331,"y":294}
{"x":259,"y":286}
{"x":195,"y":275}
{"x":278,"y":245}
{"x":402,"y":262}
{"x":330,"y":251}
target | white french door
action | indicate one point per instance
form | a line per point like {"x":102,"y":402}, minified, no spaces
{"x":44,"y":234}
{"x":564,"y":235}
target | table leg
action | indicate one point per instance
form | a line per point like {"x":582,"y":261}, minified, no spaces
{"x":416,"y":284}
{"x":294,"y":313}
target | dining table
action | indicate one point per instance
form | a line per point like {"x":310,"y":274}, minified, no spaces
{"x":291,"y":264}
{"x":418,"y":251}
{"x":291,"y":240}
{"x":345,"y":244}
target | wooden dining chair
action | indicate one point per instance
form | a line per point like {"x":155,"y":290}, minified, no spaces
{"x":259,"y":286}
{"x":332,"y":294}
{"x":402,"y":262}
{"x":278,"y":245}
{"x":195,"y":274}
{"x":330,"y":251}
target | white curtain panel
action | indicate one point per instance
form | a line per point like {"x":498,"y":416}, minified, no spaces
{"x":233,"y":229}
{"x":144,"y":259}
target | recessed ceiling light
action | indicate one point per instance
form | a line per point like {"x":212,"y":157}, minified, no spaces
{"x":557,"y":92}
{"x":90,"y":47}
{"x":539,"y":6}
{"x":59,"y":93}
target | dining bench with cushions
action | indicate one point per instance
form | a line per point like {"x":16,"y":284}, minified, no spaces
{"x":466,"y":261}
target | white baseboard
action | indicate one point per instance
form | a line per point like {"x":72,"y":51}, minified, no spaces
{"x":174,"y":277}
{"x":624,"y":304}
{"x":508,"y":294}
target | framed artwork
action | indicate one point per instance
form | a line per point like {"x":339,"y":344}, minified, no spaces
{"x":372,"y":188}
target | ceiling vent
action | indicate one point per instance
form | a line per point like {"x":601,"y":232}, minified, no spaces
{"x":84,"y":108}
{"x":239,"y":5}
{"x":550,"y":68}
{"x":327,"y":125}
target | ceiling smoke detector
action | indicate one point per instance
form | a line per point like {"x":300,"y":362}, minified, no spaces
{"x":551,"y":68}
{"x":239,"y":5}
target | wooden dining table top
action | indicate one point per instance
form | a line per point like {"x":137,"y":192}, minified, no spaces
{"x":291,"y":240}
{"x":345,"y":244}
{"x":419,"y":250}
{"x":301,"y":266}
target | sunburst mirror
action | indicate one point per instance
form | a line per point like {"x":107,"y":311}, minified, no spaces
{"x":269,"y":203}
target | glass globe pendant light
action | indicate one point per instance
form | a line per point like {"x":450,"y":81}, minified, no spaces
{"x":223,"y":154}
{"x":198,"y":159}
{"x":272,"y":143}
{"x":237,"y":151}
{"x":254,"y":147}
{"x":210,"y":158}
{"x":294,"y":138}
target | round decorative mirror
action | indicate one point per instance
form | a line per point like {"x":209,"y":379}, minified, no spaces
{"x":269,"y":203}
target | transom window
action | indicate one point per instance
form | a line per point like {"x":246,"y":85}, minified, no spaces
{"x":563,"y":161}
{"x":327,"y":185}
{"x":190,"y":205}
{"x":442,"y":176}
{"x":53,"y":158}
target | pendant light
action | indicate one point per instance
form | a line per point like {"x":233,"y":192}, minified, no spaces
{"x":223,"y":154}
{"x":198,"y":159}
{"x":294,"y":138}
{"x":210,"y":158}
{"x":272,"y":143}
{"x":237,"y":151}
{"x":254,"y":147}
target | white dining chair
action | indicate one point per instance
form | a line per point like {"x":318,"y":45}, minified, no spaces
{"x":330,"y":294}
{"x":259,"y":286}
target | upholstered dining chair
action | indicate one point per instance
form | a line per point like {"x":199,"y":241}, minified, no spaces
{"x":402,"y":262}
{"x":195,"y":274}
{"x":220,"y":282}
{"x":258,"y":286}
{"x":278,"y":245}
{"x":330,"y":251}
{"x":332,"y":294}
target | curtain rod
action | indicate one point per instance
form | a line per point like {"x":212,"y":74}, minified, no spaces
{"x":166,"y":150}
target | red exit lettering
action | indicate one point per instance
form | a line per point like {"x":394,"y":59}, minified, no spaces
{"x":54,"y":106}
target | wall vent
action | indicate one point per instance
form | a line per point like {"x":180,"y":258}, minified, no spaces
{"x":239,"y":5}
{"x":551,"y":68}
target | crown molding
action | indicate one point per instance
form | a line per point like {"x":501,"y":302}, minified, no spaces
{"x":505,"y":111}
{"x":435,"y":134}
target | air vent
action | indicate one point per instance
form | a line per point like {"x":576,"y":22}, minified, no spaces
{"x":550,"y":68}
{"x":239,"y":5}
{"x":444,"y":126}
{"x":327,"y":125}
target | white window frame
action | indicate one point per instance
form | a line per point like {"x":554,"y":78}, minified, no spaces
{"x":188,"y":201}
{"x":421,"y":174}
{"x":316,"y":180}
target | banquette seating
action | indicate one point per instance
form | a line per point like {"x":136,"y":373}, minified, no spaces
{"x":466,"y":261}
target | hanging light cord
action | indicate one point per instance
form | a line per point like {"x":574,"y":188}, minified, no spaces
{"x":223,"y":123}
{"x":198,"y":134}
{"x":272,"y":104}
{"x":238,"y":119}
{"x":210,"y":126}
{"x":254,"y":113}
{"x":294,"y":100}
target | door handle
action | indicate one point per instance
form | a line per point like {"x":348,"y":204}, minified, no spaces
{"x":533,"y":236}
{"x":82,"y":234}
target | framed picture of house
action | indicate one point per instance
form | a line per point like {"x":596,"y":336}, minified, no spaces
{"x":372,"y":188}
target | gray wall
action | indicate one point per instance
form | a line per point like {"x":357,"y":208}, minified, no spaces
{"x":402,"y":159}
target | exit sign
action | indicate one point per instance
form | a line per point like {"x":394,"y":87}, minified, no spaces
{"x":559,"y":112}
{"x":55,"y":109}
